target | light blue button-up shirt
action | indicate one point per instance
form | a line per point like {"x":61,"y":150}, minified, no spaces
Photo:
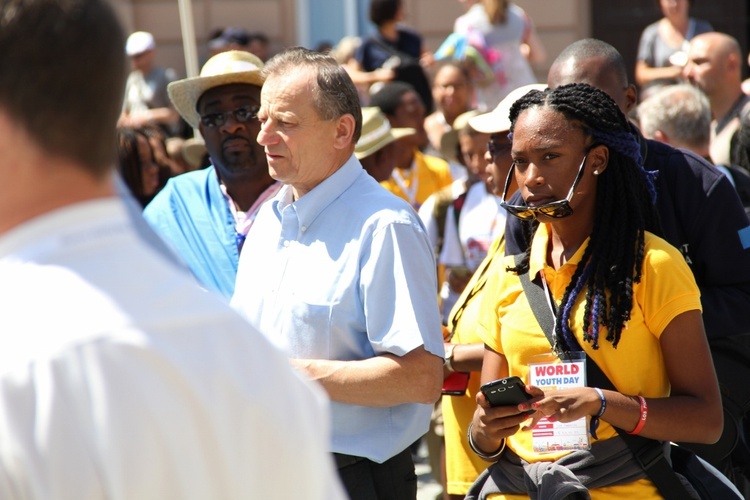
{"x":193,"y":216}
{"x":345,"y":273}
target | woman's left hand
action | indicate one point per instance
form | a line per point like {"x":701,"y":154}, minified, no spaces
{"x":566,"y":405}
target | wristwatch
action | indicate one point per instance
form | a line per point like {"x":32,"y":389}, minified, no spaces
{"x":449,"y":348}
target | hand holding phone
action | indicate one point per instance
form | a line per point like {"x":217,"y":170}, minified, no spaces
{"x":508,"y":391}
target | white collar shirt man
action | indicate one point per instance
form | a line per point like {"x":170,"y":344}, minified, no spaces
{"x":120,"y":378}
{"x":345,"y":273}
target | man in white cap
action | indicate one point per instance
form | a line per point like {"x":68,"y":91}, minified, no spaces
{"x":119,"y":376}
{"x":146,"y":101}
{"x":206,"y":214}
{"x":374,"y":149}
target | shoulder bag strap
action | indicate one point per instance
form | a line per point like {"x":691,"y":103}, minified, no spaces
{"x":647,"y":452}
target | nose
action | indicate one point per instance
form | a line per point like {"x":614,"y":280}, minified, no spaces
{"x":231,"y":124}
{"x":687,"y":70}
{"x":266,"y":134}
{"x":531,"y":175}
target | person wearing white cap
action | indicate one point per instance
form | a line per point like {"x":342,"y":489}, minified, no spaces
{"x":120,"y":378}
{"x":146,"y":101}
{"x":206,"y":214}
{"x":374,"y":148}
{"x":466,"y":348}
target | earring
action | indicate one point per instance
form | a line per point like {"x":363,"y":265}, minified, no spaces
{"x":596,"y":172}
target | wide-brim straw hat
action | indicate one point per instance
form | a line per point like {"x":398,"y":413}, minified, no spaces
{"x":233,"y":66}
{"x":377,"y":133}
{"x":449,"y":140}
{"x":498,"y":120}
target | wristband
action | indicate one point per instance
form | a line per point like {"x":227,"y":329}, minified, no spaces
{"x":594,"y":424}
{"x":643,"y":417}
{"x":490,"y":457}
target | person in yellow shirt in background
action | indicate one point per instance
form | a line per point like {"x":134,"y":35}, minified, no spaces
{"x":465,"y":349}
{"x":416,"y":175}
{"x":623,"y":296}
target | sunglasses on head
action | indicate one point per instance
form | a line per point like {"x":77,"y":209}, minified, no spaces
{"x":555,"y":209}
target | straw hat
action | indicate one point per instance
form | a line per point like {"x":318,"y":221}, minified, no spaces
{"x":377,"y":133}
{"x":449,"y":140}
{"x":234,"y":66}
{"x":498,"y":120}
{"x":193,"y":150}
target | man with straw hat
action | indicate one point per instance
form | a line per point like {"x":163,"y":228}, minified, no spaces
{"x":374,"y":148}
{"x":206,"y":214}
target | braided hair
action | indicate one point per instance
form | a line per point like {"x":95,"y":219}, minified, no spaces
{"x":625,"y":198}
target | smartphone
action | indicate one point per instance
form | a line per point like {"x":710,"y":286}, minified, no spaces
{"x":506,"y":392}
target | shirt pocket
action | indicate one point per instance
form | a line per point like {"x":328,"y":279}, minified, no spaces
{"x":309,"y":330}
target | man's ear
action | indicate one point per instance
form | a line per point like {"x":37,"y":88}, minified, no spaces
{"x":661,"y":136}
{"x":631,"y":98}
{"x":344,"y":132}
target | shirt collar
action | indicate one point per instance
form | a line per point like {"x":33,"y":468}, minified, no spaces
{"x":538,"y":257}
{"x":309,"y":206}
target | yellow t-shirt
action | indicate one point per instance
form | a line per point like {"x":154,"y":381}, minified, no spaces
{"x":508,"y":325}
{"x":463,"y":466}
{"x":430,"y":173}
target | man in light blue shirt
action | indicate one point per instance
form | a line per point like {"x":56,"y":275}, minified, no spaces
{"x":338,"y":272}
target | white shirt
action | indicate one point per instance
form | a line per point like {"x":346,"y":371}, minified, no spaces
{"x":481,"y":221}
{"x":121,"y":379}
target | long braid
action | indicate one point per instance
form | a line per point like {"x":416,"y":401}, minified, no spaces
{"x":612,"y":261}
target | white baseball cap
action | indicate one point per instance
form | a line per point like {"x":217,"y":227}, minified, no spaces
{"x":139,"y":42}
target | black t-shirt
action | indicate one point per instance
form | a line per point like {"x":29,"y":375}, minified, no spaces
{"x":373,"y":53}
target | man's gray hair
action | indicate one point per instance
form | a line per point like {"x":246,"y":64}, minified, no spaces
{"x":335,"y":95}
{"x":682,"y":112}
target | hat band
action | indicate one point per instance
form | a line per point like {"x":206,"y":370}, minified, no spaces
{"x":376,"y":134}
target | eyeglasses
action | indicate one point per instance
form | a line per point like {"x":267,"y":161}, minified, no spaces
{"x":495,"y":148}
{"x":242,"y":115}
{"x":555,"y":209}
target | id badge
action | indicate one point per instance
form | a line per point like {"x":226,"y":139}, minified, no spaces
{"x":549,"y":372}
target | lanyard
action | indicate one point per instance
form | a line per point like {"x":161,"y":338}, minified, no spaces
{"x":411,"y":191}
{"x":552,"y":308}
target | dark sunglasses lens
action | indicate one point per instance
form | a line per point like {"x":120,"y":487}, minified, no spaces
{"x":557,"y":210}
{"x":243,"y":114}
{"x":213,"y":120}
{"x":520,"y":212}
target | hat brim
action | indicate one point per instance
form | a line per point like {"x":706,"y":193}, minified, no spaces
{"x":184,"y":94}
{"x":392,"y":135}
{"x":498,"y":120}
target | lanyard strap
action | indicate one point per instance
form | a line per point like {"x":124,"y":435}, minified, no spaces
{"x":648,"y":452}
{"x":411,"y":190}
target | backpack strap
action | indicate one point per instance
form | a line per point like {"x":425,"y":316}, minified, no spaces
{"x":649,"y":453}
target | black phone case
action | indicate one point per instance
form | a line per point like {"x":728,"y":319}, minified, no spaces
{"x":509,"y":391}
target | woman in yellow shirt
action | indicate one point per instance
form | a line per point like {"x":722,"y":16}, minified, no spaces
{"x":624,"y":297}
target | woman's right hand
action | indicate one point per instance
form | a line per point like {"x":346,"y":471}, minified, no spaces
{"x":492,"y":424}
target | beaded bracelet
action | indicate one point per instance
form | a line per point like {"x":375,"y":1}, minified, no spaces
{"x":490,"y":457}
{"x":594,"y":424}
{"x":643,"y":417}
